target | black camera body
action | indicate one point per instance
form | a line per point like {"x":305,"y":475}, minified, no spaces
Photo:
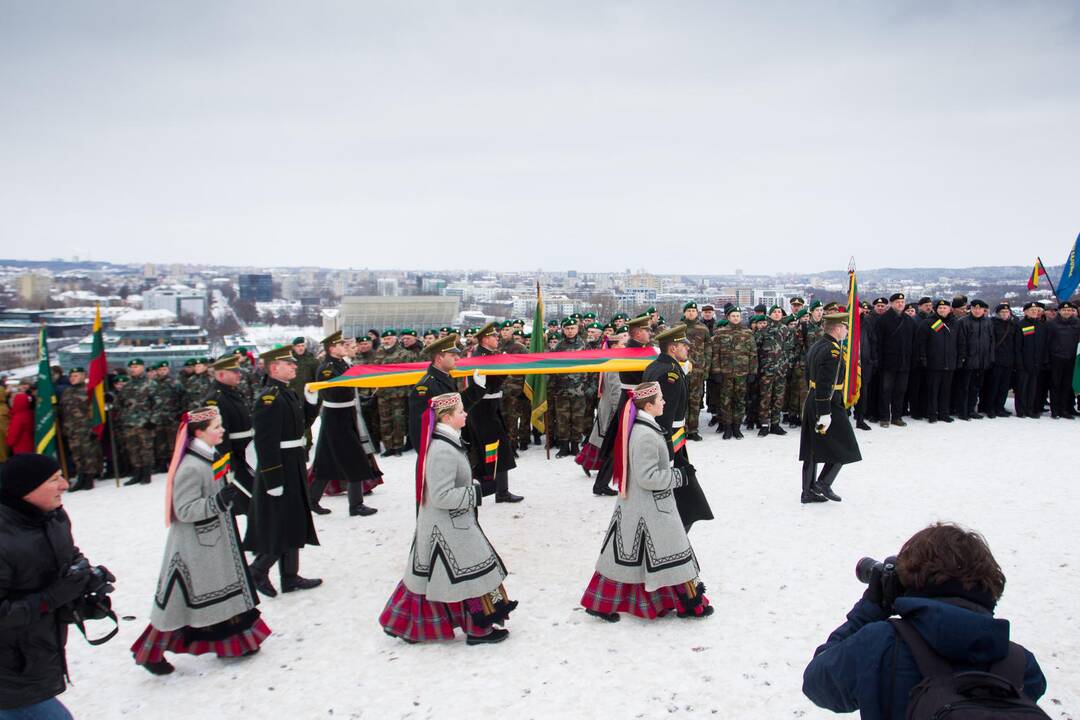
{"x":882,"y":573}
{"x":94,"y":604}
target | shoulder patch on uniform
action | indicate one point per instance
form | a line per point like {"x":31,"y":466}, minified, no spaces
{"x":836,"y":353}
{"x":211,"y":402}
{"x":672,"y":376}
{"x":327,"y":373}
{"x":269,"y":399}
{"x":421,"y":389}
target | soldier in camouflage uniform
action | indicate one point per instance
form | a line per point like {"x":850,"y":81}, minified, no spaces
{"x":758,"y":321}
{"x":700,"y":358}
{"x":796,"y":374}
{"x":410,"y":343}
{"x":570,"y":419}
{"x":197,"y":386}
{"x":119,"y":462}
{"x":594,"y":335}
{"x":775,"y":344}
{"x":137,"y":407}
{"x":165,"y":416}
{"x":393,"y":401}
{"x":78,"y":430}
{"x":513,"y":389}
{"x":249,"y":381}
{"x":369,"y":403}
{"x":735,"y":359}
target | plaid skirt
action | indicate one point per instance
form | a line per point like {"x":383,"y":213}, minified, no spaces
{"x":246,"y":637}
{"x":605,"y":595}
{"x":338,"y":487}
{"x":413,"y":617}
{"x":589,"y":457}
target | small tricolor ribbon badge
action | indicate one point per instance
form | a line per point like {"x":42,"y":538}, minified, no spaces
{"x":678,"y":439}
{"x":221,"y":466}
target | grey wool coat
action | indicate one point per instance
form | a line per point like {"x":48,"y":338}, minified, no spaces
{"x":610,"y":391}
{"x":645,"y":542}
{"x":451,"y":559}
{"x":204,"y":578}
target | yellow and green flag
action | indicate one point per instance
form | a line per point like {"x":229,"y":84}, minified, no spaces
{"x":45,"y":407}
{"x":536,"y":385}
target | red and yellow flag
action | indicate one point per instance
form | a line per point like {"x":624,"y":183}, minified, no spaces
{"x":1033,"y":281}
{"x":852,"y":367}
{"x":95,"y":383}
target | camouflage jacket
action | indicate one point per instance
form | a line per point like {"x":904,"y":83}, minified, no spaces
{"x":513,"y":384}
{"x":775,"y":347}
{"x":136,"y":402}
{"x":167,"y":402}
{"x":75,"y":410}
{"x":700,"y":345}
{"x":735,"y":352}
{"x":396,"y":354}
{"x":809,"y":333}
{"x":367,"y":358}
{"x":570,"y":383}
{"x":306,"y":367}
{"x":195,"y":391}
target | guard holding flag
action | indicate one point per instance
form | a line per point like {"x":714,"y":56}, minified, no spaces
{"x":236,"y":420}
{"x":826,"y":434}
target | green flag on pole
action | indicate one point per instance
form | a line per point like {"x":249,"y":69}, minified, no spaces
{"x":45,"y":407}
{"x":536,"y":385}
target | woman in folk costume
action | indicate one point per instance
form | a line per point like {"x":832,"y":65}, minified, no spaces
{"x":205,"y":601}
{"x":610,"y":390}
{"x":646,"y":567}
{"x":454,"y":576}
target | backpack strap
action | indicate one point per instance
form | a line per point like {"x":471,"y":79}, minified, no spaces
{"x":930,"y":663}
{"x":1012,"y":666}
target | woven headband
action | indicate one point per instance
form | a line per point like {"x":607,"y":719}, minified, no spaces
{"x":647,"y":391}
{"x":202,"y":414}
{"x":445,"y":401}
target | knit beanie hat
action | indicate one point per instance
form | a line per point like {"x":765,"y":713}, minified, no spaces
{"x":24,"y":472}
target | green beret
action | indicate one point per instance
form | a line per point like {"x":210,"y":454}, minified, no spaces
{"x":238,"y":351}
{"x":298,"y":339}
{"x":689,"y":306}
{"x":408,"y":331}
{"x":802,"y":311}
{"x":721,"y":323}
{"x":162,"y":364}
{"x":389,"y":332}
{"x":788,"y":319}
{"x":76,"y":369}
{"x":207,"y":361}
{"x":136,"y":361}
{"x":594,"y":326}
{"x":774,"y":307}
{"x":758,"y":318}
{"x":650,"y":310}
{"x":815,"y":305}
{"x":506,"y":324}
{"x":567,"y":322}
{"x":190,"y":362}
{"x":589,"y":316}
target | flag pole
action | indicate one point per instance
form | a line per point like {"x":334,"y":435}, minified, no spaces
{"x":1052,"y":288}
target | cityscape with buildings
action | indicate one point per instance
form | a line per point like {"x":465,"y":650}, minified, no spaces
{"x":175,"y":312}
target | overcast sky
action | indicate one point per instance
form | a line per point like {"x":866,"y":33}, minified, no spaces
{"x":678,"y":136}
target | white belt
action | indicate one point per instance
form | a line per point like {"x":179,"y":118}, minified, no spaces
{"x":677,"y":423}
{"x":338,"y":405}
{"x":626,"y":386}
{"x":493,"y":396}
{"x":240,"y":435}
{"x":289,"y":444}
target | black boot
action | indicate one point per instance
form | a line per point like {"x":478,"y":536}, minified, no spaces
{"x":713,"y":421}
{"x":809,"y":493}
{"x":135,"y":479}
{"x":777,"y":430}
{"x":736,"y":432}
{"x":495,"y":636}
{"x":502,"y":490}
{"x":861,"y":424}
{"x":764,"y":431}
{"x":536,"y":437}
{"x":523,"y":443}
{"x":79,"y":484}
{"x":161,"y":667}
{"x":729,"y":430}
{"x":146,"y":473}
{"x":826,"y":490}
{"x":294,"y":583}
{"x":607,"y":617}
{"x":319,"y":509}
{"x":693,"y":436}
{"x":564,"y":449}
{"x":574,"y":449}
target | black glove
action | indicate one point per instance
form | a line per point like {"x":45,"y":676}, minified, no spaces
{"x":226,"y":496}
{"x":479,"y":492}
{"x":66,"y":589}
{"x":884,"y":587}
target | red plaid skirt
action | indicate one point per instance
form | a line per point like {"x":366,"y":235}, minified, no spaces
{"x":415,"y":618}
{"x":589,"y":457}
{"x":610,"y":596}
{"x":337,"y":487}
{"x":153,"y":643}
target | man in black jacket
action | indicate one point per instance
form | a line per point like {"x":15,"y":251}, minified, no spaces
{"x":36,"y":553}
{"x":1006,"y":359}
{"x":1032,"y":362}
{"x":935,"y":343}
{"x":868,"y":360}
{"x":974,"y":355}
{"x":895,"y":333}
{"x":1061,"y":341}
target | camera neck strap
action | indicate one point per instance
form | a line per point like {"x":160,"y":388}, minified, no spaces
{"x":81,"y":624}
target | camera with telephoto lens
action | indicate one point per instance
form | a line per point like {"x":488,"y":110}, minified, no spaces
{"x":883,"y":572}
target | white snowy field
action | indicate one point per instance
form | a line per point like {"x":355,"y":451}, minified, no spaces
{"x":779,"y":573}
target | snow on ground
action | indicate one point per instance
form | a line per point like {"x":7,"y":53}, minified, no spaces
{"x":779,"y":573}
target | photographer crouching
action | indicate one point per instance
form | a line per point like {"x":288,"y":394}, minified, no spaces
{"x":45,"y":583}
{"x":946,"y":655}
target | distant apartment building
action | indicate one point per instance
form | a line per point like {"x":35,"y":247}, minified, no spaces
{"x":359,"y":313}
{"x":257,"y":287}
{"x":432,"y":285}
{"x":34,"y":288}
{"x":387,"y":287}
{"x":177,"y":299}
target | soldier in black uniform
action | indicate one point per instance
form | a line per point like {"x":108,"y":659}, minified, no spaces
{"x":485,"y":425}
{"x":443,"y":354}
{"x":340,"y":453}
{"x":236,"y":419}
{"x":667,"y":370}
{"x":640,"y":336}
{"x":826,"y":434}
{"x":279,"y":522}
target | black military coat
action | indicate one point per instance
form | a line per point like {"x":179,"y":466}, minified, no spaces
{"x":485,"y":424}
{"x":937,"y":347}
{"x":339,"y":451}
{"x":838,"y":444}
{"x":236,"y":419}
{"x":690,"y":498}
{"x":895,"y":333}
{"x":435,"y":382}
{"x":277,"y":524}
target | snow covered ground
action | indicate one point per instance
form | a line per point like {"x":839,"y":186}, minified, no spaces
{"x":779,"y":573}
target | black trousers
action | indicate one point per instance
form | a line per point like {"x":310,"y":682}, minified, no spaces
{"x":1042,"y":389}
{"x":916,"y":392}
{"x":355,"y":492}
{"x":866,"y":393}
{"x":967,"y":385}
{"x":1062,"y":397}
{"x":938,"y":393}
{"x":1000,"y":379}
{"x":891,"y":403}
{"x":874,"y":385}
{"x":810,"y":476}
{"x":288,"y":564}
{"x":1026,"y":385}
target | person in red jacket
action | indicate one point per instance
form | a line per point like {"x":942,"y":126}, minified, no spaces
{"x":20,"y":433}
